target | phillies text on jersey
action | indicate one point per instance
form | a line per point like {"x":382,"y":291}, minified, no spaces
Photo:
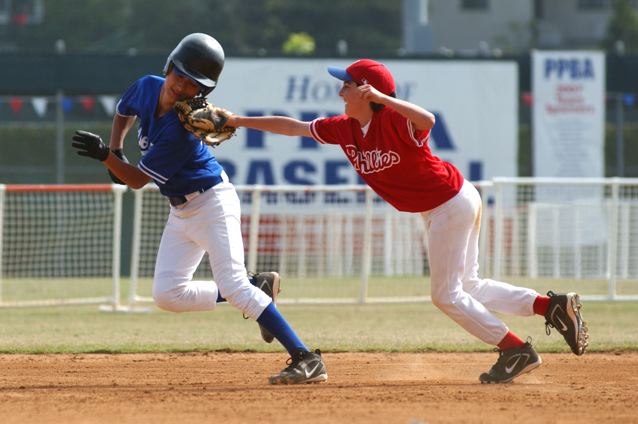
{"x":393,"y":159}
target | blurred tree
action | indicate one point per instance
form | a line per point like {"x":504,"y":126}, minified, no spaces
{"x":243,"y":27}
{"x":622,"y":31}
{"x":299,"y":43}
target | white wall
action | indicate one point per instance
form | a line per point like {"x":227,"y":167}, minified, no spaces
{"x":505,"y":23}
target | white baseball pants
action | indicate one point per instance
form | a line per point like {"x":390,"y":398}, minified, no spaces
{"x":208,"y":223}
{"x":452,"y":235}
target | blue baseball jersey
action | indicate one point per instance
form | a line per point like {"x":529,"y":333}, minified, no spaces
{"x":175,"y":159}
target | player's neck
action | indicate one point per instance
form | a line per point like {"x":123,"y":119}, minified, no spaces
{"x":163,"y":106}
{"x":364,"y":118}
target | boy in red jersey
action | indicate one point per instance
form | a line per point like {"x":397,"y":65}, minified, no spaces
{"x":386,"y":141}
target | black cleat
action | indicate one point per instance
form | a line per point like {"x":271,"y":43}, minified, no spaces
{"x":511,"y":363}
{"x":563,"y":314}
{"x":303,"y":367}
{"x":269,"y":283}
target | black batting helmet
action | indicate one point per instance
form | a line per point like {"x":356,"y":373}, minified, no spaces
{"x":200,"y":57}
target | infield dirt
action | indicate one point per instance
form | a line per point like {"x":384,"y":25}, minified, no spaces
{"x":407,"y":388}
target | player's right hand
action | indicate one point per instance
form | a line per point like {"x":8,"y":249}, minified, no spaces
{"x":370,"y":93}
{"x":90,"y":145}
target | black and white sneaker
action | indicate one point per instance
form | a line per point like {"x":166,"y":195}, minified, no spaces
{"x":303,"y":367}
{"x":269,"y":283}
{"x":511,"y":363}
{"x":564,"y":315}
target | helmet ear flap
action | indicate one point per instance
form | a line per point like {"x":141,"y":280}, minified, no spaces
{"x":168,"y":67}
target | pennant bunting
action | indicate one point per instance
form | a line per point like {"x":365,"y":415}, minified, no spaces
{"x":87,"y":103}
{"x":108,"y":103}
{"x":16,"y":104}
{"x":67,"y":104}
{"x":39,"y":105}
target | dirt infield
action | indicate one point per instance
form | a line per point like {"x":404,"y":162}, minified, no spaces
{"x":362,"y":388}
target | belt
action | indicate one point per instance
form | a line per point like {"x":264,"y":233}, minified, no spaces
{"x":180,"y":200}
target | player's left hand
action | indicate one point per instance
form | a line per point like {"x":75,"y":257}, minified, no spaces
{"x":120,"y":154}
{"x":206,"y":121}
{"x":370,"y":93}
{"x":90,"y":145}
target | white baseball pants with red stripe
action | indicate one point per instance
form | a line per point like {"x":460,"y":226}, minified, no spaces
{"x":452,"y":236}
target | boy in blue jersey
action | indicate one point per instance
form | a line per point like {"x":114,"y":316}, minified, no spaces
{"x":205,"y":211}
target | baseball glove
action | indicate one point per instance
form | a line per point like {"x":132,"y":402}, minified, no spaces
{"x":205,"y":120}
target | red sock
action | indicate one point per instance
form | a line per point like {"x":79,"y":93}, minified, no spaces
{"x":510,"y":341}
{"x":541,"y":304}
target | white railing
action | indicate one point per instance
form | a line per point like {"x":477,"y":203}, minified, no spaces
{"x":339,"y":244}
{"x":573,"y":231}
{"x":306,"y":233}
{"x":60,"y":245}
{"x":565,"y":229}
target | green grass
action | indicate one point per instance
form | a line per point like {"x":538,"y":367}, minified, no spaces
{"x":294,"y":288}
{"x":407,"y":327}
{"x":371,"y":327}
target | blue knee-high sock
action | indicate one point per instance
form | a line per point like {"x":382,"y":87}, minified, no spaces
{"x":274,"y":322}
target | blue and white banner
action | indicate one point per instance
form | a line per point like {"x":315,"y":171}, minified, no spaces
{"x":569,"y":113}
{"x":475,"y":104}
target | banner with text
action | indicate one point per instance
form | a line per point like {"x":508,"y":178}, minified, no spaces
{"x":569,"y":117}
{"x":569,"y":113}
{"x":475,"y":105}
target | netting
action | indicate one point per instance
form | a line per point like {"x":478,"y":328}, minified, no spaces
{"x":335,"y":244}
{"x":57,"y":244}
{"x":313,"y":237}
{"x":576,"y":230}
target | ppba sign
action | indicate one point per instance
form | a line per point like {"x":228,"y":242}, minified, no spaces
{"x":569,"y":113}
{"x":475,"y":105}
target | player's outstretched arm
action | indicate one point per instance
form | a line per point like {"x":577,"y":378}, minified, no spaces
{"x":275,"y":124}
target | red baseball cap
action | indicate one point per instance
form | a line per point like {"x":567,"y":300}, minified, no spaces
{"x":366,"y":71}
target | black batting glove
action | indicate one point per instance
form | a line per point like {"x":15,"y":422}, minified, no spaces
{"x":120,"y":154}
{"x":90,"y":145}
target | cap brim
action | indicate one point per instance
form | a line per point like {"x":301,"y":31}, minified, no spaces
{"x":339,"y":73}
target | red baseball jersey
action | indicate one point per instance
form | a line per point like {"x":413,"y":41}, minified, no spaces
{"x":393,"y":158}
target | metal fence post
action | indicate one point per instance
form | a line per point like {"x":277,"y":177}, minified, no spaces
{"x":498,"y":228}
{"x":2,"y":189}
{"x":59,"y":138}
{"x":253,"y":236}
{"x":612,"y":250}
{"x":366,"y":259}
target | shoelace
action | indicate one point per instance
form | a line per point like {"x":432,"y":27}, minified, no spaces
{"x":498,"y":361}
{"x":501,"y":353}
{"x":549,"y":325}
{"x":292,"y":363}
